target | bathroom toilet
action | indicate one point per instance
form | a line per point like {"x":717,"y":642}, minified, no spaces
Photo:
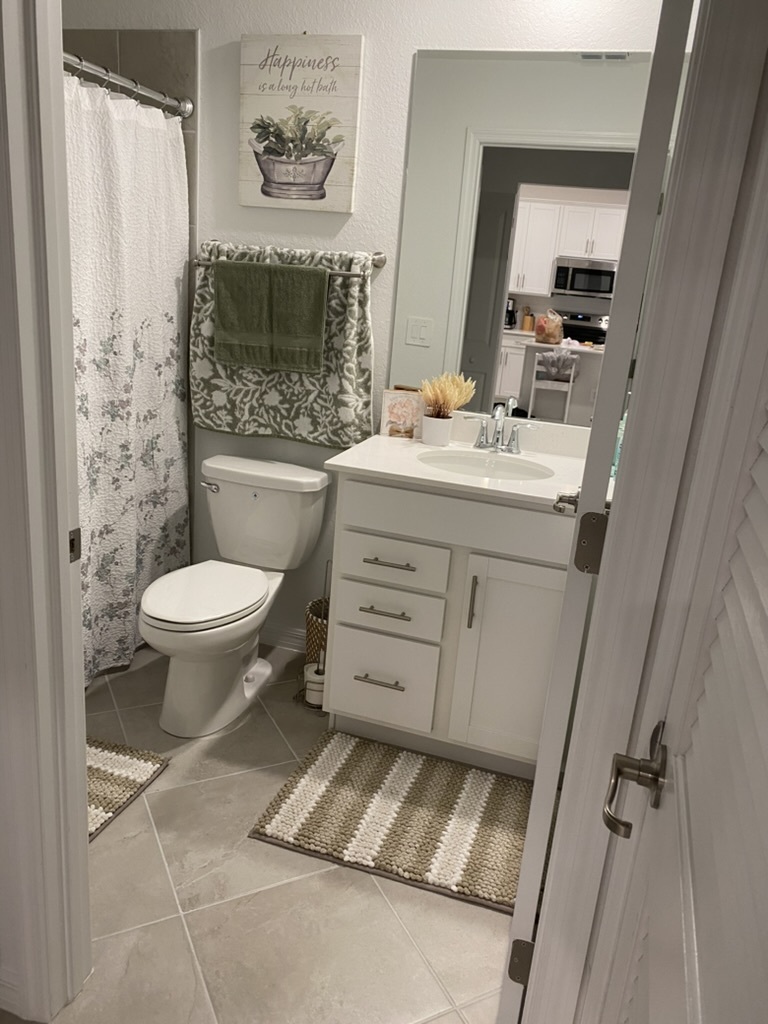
{"x":266,"y":518}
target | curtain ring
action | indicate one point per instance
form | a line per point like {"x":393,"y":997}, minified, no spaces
{"x":79,"y":72}
{"x":108,"y":81}
{"x":136,"y":87}
{"x":166,"y":101}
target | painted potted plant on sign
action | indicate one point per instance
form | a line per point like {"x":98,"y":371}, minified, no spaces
{"x":442,"y":396}
{"x":295,"y":153}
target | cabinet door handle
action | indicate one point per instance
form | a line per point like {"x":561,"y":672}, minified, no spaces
{"x":592,"y":248}
{"x":390,"y":565}
{"x":472,"y":596}
{"x":586,"y":248}
{"x":522,"y":283}
{"x":400,"y":616}
{"x":379,"y":682}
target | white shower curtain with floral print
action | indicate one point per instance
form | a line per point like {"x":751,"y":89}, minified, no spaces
{"x":129,"y":229}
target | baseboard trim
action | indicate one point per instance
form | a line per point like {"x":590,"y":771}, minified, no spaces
{"x":289,"y":637}
{"x":429,"y":745}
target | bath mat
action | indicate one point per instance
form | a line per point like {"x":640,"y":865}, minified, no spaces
{"x":116,"y":776}
{"x":423,"y":820}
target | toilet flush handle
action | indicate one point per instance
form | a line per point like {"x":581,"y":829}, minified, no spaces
{"x":214,"y":488}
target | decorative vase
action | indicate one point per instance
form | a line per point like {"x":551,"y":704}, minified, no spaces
{"x":293,"y":179}
{"x":436,"y":431}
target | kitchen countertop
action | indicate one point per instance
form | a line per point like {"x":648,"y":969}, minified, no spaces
{"x":395,"y":460}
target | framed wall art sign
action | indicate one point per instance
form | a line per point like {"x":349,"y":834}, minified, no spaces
{"x":299,"y":114}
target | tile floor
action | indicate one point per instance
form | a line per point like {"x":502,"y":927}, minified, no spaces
{"x":194,"y":923}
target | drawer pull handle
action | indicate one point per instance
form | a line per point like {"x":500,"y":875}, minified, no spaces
{"x":472,"y":596}
{"x":401,"y":616}
{"x":379,"y":682}
{"x":390,"y":565}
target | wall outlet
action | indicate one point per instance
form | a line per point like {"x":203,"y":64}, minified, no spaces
{"x":419,"y":330}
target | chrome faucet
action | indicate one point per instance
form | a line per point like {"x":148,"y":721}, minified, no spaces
{"x":496,"y":442}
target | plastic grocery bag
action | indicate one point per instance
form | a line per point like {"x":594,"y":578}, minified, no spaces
{"x":549,"y":328}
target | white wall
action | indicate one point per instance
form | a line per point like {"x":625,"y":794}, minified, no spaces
{"x":393,"y":30}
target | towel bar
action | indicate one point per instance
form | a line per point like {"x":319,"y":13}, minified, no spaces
{"x":379,"y":260}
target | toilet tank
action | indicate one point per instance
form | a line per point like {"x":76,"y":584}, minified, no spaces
{"x":266,"y":514}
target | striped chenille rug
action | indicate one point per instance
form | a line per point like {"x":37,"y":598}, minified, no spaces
{"x":423,"y":820}
{"x":116,"y":776}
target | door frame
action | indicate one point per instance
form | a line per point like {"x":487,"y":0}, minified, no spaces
{"x":673,"y":369}
{"x":45,"y":952}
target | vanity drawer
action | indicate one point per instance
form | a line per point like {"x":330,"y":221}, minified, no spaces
{"x":383,"y":678}
{"x":392,"y":611}
{"x":389,"y":560}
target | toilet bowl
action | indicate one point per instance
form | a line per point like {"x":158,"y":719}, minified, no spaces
{"x":206,"y":617}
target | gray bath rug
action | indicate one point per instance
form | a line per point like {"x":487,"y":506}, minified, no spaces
{"x":116,"y":776}
{"x":419,"y":819}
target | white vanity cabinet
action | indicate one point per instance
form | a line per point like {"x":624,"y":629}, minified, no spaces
{"x":505,"y":654}
{"x":404,"y":651}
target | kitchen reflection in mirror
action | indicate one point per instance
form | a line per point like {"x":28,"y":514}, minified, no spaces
{"x":520,"y":194}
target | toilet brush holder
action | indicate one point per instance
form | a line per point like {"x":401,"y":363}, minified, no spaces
{"x":314,"y":682}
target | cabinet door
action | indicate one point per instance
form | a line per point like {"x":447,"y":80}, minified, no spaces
{"x":540,"y":248}
{"x":510,"y":617}
{"x":519,"y":236}
{"x":511,"y":371}
{"x":608,"y":232}
{"x":575,"y":236}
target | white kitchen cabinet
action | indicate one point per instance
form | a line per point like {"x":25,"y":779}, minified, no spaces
{"x":534,"y":246}
{"x":510,"y":615}
{"x":593,"y":232}
{"x":510,"y":371}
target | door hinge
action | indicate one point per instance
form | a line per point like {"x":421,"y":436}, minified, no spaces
{"x":520,"y":961}
{"x":74,"y":545}
{"x":590,"y":542}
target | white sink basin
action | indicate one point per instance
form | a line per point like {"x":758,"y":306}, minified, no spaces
{"x":484,"y":464}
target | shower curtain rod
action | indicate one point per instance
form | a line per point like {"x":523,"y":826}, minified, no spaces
{"x":109,"y":80}
{"x":379,"y":259}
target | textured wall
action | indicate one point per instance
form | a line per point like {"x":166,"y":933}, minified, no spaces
{"x":393,"y":30}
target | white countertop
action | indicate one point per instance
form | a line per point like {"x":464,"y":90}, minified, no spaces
{"x":595,"y":350}
{"x":395,"y":460}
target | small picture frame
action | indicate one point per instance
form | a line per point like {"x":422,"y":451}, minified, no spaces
{"x":401,"y":413}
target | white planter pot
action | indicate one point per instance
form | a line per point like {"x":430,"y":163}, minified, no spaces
{"x":436,"y":431}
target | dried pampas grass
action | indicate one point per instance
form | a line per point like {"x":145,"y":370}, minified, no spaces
{"x":446,"y":393}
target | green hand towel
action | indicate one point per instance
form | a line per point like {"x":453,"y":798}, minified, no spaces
{"x":268,"y":315}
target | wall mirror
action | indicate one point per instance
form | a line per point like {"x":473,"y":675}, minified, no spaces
{"x":480,"y":125}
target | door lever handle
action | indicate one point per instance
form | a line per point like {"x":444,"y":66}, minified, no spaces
{"x":648,"y":772}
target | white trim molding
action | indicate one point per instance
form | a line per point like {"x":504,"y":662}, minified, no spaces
{"x":44,"y":926}
{"x":475,"y":141}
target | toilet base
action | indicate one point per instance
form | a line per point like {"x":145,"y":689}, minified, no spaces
{"x":202,"y":697}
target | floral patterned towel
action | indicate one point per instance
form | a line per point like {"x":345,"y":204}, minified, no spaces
{"x":330,"y":408}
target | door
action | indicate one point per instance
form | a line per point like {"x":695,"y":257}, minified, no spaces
{"x":686,"y":898}
{"x":576,"y":224}
{"x":626,"y":962}
{"x":648,"y":171}
{"x":607,"y":232}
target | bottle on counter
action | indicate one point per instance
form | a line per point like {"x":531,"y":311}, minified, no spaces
{"x":510,"y":317}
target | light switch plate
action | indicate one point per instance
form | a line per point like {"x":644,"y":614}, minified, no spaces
{"x":419,"y":330}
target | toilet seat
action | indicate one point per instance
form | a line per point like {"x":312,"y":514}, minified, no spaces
{"x":204,"y":596}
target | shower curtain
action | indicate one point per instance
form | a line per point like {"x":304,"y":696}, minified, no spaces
{"x":129,"y":231}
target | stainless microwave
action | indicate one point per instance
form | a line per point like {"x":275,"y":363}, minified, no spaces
{"x":574,"y":276}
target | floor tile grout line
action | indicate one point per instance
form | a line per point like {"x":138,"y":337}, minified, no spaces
{"x":264,"y":888}
{"x":215,"y":778}
{"x":478,"y":999}
{"x":117,"y":712}
{"x":135,"y":927}
{"x":195,"y":958}
{"x":280,"y":731}
{"x":415,"y":944}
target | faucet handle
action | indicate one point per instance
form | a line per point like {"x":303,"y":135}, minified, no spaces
{"x":482,"y":434}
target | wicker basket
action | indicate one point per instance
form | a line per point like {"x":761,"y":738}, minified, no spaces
{"x":317,"y":628}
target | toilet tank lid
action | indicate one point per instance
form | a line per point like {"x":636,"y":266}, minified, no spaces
{"x":262,"y":472}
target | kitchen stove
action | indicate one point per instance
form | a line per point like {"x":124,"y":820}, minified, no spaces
{"x":585,"y":326}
